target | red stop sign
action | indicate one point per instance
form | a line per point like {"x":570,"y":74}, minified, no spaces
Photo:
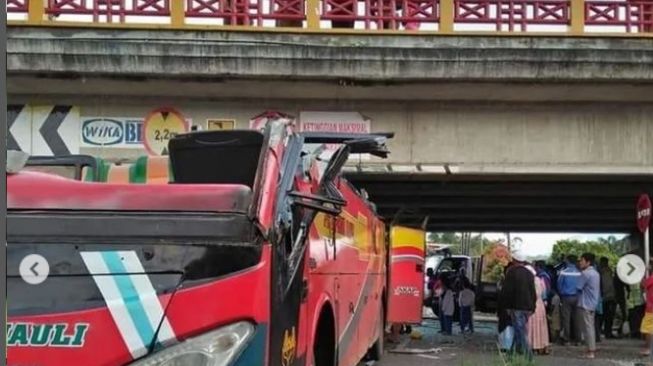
{"x":643,"y":212}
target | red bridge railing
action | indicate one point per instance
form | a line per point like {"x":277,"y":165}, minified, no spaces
{"x":567,"y":17}
{"x":512,"y":15}
{"x":633,"y":16}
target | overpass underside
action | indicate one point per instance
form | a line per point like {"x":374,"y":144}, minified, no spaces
{"x":507,"y":202}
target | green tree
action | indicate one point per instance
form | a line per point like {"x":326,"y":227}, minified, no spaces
{"x":446,"y":238}
{"x":476,"y":247}
{"x":603,"y":247}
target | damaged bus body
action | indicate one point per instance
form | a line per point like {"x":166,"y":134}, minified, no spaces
{"x":258,"y":253}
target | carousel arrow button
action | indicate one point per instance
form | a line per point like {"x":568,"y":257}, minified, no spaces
{"x":631,"y":269}
{"x":34,"y":269}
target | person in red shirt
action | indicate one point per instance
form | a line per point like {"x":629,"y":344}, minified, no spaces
{"x":646,"y":327}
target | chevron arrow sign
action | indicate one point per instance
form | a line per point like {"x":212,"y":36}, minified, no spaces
{"x":43,"y":130}
{"x":19,"y":126}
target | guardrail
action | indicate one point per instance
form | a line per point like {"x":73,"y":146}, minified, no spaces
{"x":564,"y":17}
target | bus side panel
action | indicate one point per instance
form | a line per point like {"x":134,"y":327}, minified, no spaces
{"x":359,"y":294}
{"x":349,"y":271}
{"x":322,"y":282}
{"x":406,"y":289}
{"x":372,"y":301}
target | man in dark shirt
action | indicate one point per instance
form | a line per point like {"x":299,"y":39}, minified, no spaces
{"x":608,"y":294}
{"x":620,"y":300}
{"x":518,"y":298}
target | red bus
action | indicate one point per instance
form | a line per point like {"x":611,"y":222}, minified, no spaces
{"x":258,"y":253}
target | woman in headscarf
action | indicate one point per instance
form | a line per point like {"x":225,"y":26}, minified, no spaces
{"x":538,"y":331}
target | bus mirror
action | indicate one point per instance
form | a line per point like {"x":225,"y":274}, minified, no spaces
{"x":369,"y":143}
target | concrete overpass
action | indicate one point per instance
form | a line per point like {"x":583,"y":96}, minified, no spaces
{"x":531,"y":132}
{"x":482,"y":102}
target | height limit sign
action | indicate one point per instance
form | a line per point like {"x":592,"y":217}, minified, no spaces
{"x":159,"y":127}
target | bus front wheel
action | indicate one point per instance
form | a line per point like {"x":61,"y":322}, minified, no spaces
{"x":324,"y":348}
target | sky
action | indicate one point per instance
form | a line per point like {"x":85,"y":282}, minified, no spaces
{"x":534,"y":244}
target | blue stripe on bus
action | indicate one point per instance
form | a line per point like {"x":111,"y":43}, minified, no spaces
{"x":129,"y":295}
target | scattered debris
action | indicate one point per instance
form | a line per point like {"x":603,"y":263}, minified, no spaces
{"x":503,"y":359}
{"x":415,"y":350}
{"x":429,"y":357}
{"x":416,"y":334}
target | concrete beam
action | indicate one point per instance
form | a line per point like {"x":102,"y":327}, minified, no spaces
{"x":357,"y":59}
{"x":472,"y":137}
{"x":419,"y":171}
{"x":327,"y":91}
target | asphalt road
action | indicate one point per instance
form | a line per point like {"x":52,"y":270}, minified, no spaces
{"x":480,"y":348}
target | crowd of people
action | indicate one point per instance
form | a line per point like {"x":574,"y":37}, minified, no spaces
{"x":580,"y":301}
{"x":573,"y":303}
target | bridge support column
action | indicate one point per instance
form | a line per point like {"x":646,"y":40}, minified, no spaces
{"x":313,"y":14}
{"x":446,"y":16}
{"x":177,"y":13}
{"x":577,"y":17}
{"x":36,"y":11}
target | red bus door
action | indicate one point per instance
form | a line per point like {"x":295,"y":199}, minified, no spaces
{"x":407,"y":248}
